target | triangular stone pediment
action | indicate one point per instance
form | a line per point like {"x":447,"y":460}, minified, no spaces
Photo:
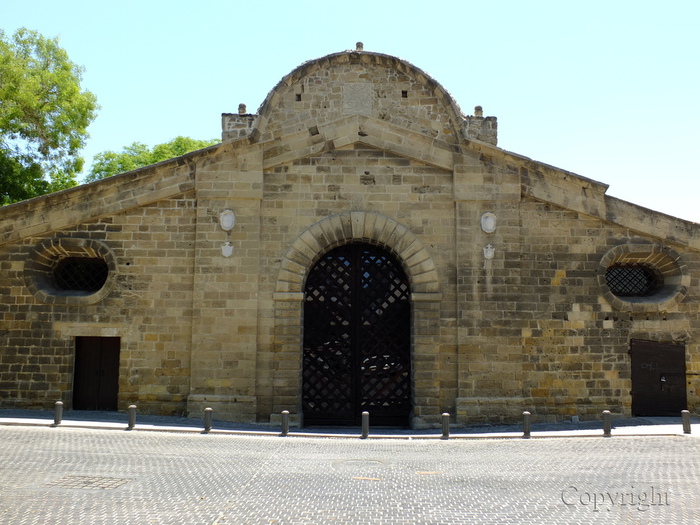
{"x":359,"y":129}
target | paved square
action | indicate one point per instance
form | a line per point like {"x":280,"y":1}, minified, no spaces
{"x":69,"y":476}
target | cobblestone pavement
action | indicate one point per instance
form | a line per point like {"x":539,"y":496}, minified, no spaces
{"x":71,"y":475}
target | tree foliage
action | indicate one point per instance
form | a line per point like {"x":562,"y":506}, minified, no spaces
{"x":19,"y":181}
{"x":137,"y":155}
{"x":44,"y":116}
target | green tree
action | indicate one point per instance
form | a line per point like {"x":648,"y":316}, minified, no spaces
{"x":44,"y":116}
{"x":19,"y":181}
{"x":137,"y":155}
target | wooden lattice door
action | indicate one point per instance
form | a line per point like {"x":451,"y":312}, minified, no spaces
{"x":356,"y":339}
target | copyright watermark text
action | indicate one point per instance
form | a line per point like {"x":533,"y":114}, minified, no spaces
{"x":639,"y":498}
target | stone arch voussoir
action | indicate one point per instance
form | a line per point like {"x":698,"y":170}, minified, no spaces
{"x":356,"y":226}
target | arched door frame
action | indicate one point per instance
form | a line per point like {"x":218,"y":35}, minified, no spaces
{"x":336,"y":230}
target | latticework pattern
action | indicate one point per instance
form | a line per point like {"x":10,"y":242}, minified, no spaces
{"x":626,"y":280}
{"x":87,"y":274}
{"x":356,"y":338}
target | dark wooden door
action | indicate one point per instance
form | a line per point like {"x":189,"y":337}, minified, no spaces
{"x":96,"y":377}
{"x":356,"y":339}
{"x":658,"y":378}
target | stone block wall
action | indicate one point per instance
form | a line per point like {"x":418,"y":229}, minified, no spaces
{"x":360,"y":84}
{"x":505,"y":257}
{"x":149,"y":307}
{"x":537,"y":333}
{"x":303,"y":193}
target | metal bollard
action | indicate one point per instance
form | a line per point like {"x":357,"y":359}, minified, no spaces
{"x":526,"y":425}
{"x":208,"y":412}
{"x":58,"y":413}
{"x":445,"y":425}
{"x":132,"y":417}
{"x":607,"y":423}
{"x":685,"y":417}
{"x":285,"y":423}
{"x":365,"y":425}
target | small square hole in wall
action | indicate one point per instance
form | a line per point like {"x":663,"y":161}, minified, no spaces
{"x":313,"y":130}
{"x":297,"y":97}
{"x":404,"y":94}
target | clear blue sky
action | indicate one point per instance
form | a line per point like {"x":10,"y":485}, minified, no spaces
{"x":607,"y":89}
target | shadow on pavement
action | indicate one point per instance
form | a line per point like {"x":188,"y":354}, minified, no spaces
{"x":195,"y":423}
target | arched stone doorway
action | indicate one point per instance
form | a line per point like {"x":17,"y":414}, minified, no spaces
{"x":285,"y":360}
{"x":357,"y":338}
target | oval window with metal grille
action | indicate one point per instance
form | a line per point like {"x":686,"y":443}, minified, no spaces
{"x":643,"y":277}
{"x":633,"y":280}
{"x":84,"y":274}
{"x":70,"y":270}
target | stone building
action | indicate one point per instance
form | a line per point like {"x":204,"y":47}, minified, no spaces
{"x":358,"y":244}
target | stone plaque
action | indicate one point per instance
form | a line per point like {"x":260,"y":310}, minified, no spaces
{"x":357,"y":99}
{"x":488,"y":222}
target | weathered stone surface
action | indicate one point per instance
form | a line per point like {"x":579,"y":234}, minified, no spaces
{"x":353,"y":147}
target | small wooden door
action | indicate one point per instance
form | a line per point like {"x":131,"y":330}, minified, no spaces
{"x":96,"y":376}
{"x":658,"y":378}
